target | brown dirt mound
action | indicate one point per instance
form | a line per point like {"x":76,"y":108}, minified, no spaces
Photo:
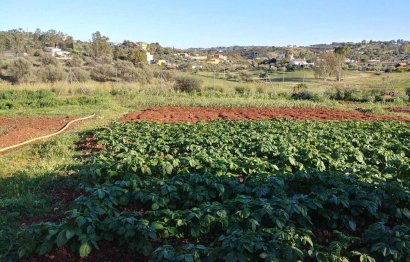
{"x":194,"y":114}
{"x":399,"y":109}
{"x":19,"y":129}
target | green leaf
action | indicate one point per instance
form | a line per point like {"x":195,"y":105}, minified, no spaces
{"x":85,"y":250}
{"x":292,"y":161}
{"x":220,"y":188}
{"x":155,"y":206}
{"x":69,"y":234}
{"x":61,"y":239}
{"x":352,"y":225}
{"x":406,"y":212}
{"x":180,"y":222}
{"x":157,"y":226}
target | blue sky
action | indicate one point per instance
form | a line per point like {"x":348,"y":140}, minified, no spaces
{"x":207,"y":23}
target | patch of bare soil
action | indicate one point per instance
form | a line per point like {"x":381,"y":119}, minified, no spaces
{"x":399,"y":109}
{"x":19,"y":129}
{"x":194,"y":114}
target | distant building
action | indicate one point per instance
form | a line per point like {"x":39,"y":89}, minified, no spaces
{"x":214,"y":61}
{"x":221,"y":57}
{"x":150,"y":58}
{"x":184,"y":55}
{"x":57,"y":52}
{"x":298,"y":62}
{"x":142,"y":45}
{"x":281,"y":56}
{"x":199,"y":58}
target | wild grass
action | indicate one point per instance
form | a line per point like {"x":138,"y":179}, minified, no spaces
{"x":27,"y":177}
{"x":352,"y":79}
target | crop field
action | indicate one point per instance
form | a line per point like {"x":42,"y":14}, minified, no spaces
{"x":230,"y":136}
{"x":235,"y":191}
{"x":165,"y":175}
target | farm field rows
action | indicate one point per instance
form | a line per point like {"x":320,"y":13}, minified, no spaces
{"x":194,"y":114}
{"x":237,"y":190}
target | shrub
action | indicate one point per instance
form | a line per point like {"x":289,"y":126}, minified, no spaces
{"x":242,"y":89}
{"x":20,"y":70}
{"x":51,"y":74}
{"x":75,"y":61}
{"x":245,"y":76}
{"x":126,"y":71}
{"x":143,"y":76}
{"x":103,"y":60}
{"x":166,"y":75}
{"x":47,"y":59}
{"x":262,"y":89}
{"x":103,"y":73}
{"x":353,"y":94}
{"x":187,"y":84}
{"x":408,"y":92}
{"x":303,"y":95}
{"x":120,"y":91}
{"x":148,"y":72}
{"x":299,"y":87}
{"x":80,"y":74}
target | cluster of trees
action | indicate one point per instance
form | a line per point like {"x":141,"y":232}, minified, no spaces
{"x":19,"y":41}
{"x":23,"y":70}
{"x":23,"y":59}
{"x":330,"y":64}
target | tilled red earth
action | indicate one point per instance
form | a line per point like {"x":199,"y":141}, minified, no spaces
{"x":172,"y":114}
{"x":399,"y":109}
{"x":19,"y":129}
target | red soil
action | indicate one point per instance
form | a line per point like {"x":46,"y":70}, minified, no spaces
{"x":15,"y":130}
{"x":194,"y":114}
{"x":399,"y":109}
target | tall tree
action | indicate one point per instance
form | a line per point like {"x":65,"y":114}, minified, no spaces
{"x":341,"y":53}
{"x":100,"y":46}
{"x":405,"y":48}
{"x":137,"y":56}
{"x":17,"y":40}
{"x":326,"y":66}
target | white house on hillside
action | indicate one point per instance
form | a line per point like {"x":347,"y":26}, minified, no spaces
{"x":57,"y":52}
{"x":150,"y":58}
{"x":298,"y":62}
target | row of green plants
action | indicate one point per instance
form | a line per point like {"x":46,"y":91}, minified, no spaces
{"x":275,"y":190}
{"x":16,"y":99}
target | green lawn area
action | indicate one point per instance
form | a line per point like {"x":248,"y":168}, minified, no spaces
{"x":352,"y":79}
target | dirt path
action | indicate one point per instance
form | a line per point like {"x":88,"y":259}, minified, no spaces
{"x":194,"y":114}
{"x":19,"y":129}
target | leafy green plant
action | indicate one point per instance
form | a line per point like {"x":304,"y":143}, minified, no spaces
{"x":243,"y":190}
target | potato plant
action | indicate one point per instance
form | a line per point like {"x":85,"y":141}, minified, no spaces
{"x":241,"y":191}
